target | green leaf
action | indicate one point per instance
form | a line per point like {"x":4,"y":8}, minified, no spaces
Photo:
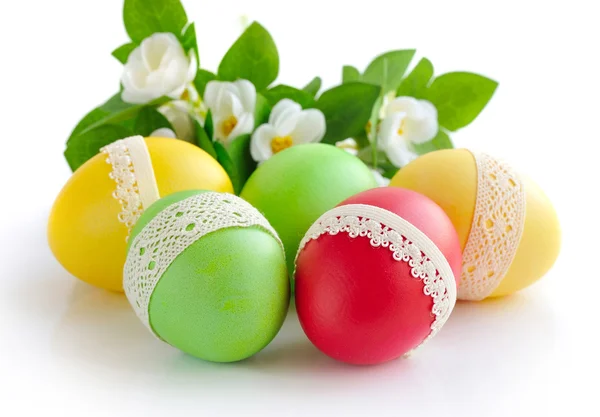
{"x":123,"y":51}
{"x":350,"y":74}
{"x":203,"y":140}
{"x":239,"y":152}
{"x":347,"y":109}
{"x":459,"y":97}
{"x":143,"y":18}
{"x":388,"y":69}
{"x":227,"y":163}
{"x":115,"y":111}
{"x":390,"y":172}
{"x":415,"y":84}
{"x":253,"y":57}
{"x":209,"y":126}
{"x":440,"y":141}
{"x":189,"y":42}
{"x":89,"y":119}
{"x":279,"y":92}
{"x":202,"y":78}
{"x":313,"y":86}
{"x":148,"y":120}
{"x":82,"y":147}
{"x":261,"y":111}
{"x":362,"y":140}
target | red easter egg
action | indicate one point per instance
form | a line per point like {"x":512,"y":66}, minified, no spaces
{"x":375,"y":276}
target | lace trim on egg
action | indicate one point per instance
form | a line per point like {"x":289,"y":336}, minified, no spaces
{"x":496,"y":228}
{"x":174,"y":229}
{"x":407,"y":244}
{"x":132,"y":172}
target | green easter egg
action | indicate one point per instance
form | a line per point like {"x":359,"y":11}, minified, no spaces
{"x":207,"y":274}
{"x":296,"y":186}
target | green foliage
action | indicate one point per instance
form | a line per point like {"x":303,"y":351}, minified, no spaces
{"x":189,"y":42}
{"x":203,"y":140}
{"x":209,"y":126}
{"x":459,"y":97}
{"x":114,"y":111}
{"x":123,"y":51}
{"x":261,"y":111}
{"x":372,"y":133}
{"x":202,"y":78}
{"x":236,"y":160}
{"x":253,"y":57}
{"x":313,"y":86}
{"x":148,"y":120}
{"x":279,"y":92}
{"x":239,"y":152}
{"x":142,"y":18}
{"x":347,"y":109}
{"x":84,"y":146}
{"x":350,"y":74}
{"x":440,"y":141}
{"x":388,"y":69}
{"x":415,"y":84}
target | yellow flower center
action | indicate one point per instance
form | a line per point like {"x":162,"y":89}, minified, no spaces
{"x":401,"y":128}
{"x":279,"y":143}
{"x":229,"y":124}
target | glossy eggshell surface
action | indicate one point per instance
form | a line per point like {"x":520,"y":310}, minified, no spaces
{"x":225,"y":297}
{"x":354,"y":301}
{"x":84,"y":232}
{"x":297,"y":185}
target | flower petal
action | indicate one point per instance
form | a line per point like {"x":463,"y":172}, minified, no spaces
{"x":399,"y":153}
{"x":245,"y":125}
{"x":310,"y":127}
{"x":193,"y":67}
{"x":388,"y":129}
{"x":163,"y":132}
{"x":212,"y":93}
{"x":408,"y":105}
{"x":260,"y":145}
{"x":247,"y":94}
{"x":155,"y":47}
{"x":281,"y":109}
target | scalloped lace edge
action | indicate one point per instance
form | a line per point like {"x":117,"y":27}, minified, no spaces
{"x":407,"y":244}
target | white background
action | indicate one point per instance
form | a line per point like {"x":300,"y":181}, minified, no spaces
{"x":69,"y":349}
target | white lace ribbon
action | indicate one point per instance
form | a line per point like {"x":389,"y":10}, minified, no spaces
{"x":407,"y":244}
{"x":132,"y":172}
{"x":173,"y":230}
{"x":496,"y":229}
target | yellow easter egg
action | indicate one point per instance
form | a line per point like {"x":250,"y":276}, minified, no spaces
{"x":92,"y":215}
{"x":508,"y":229}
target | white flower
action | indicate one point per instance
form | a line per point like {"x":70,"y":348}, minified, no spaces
{"x":349,"y":145}
{"x":407,"y":121}
{"x":380,"y":179}
{"x":179,"y":114}
{"x":163,"y":132}
{"x":288,"y":125}
{"x":158,"y":67}
{"x":232,"y":108}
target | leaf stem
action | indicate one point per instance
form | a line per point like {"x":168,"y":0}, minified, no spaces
{"x":373,"y":129}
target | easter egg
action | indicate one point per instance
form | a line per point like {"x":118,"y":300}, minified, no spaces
{"x":375,"y":276}
{"x":93,"y":213}
{"x":508,"y":229}
{"x":206,"y":273}
{"x":297,"y":185}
